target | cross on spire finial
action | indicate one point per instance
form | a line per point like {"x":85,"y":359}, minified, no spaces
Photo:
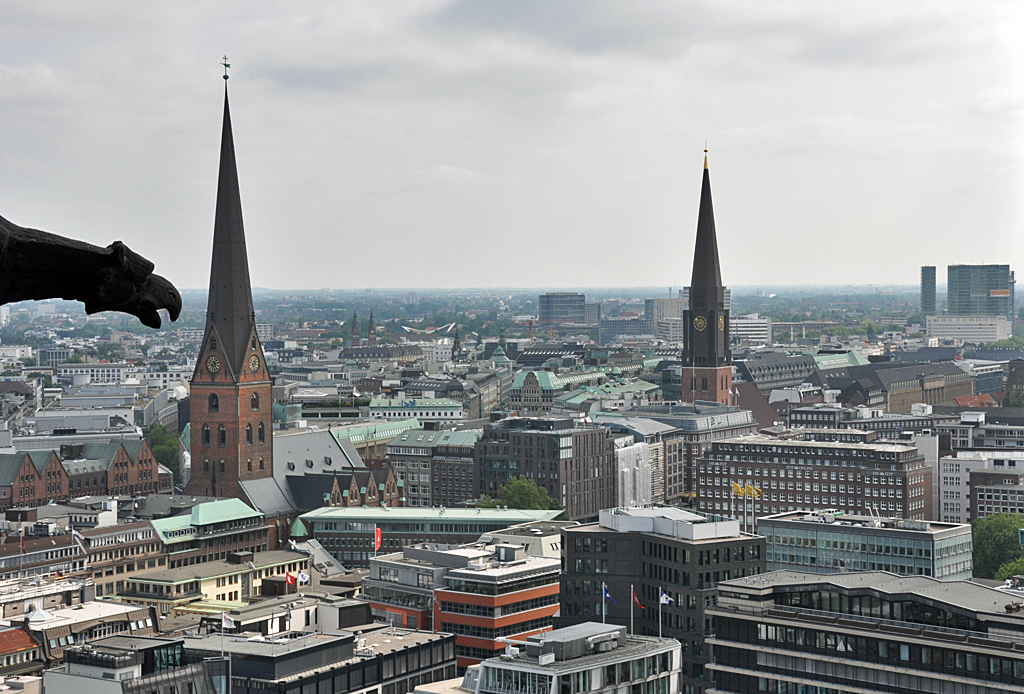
{"x":226,"y":66}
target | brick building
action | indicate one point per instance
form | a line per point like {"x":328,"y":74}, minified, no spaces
{"x":574,"y":462}
{"x":812,"y":470}
{"x":230,"y":389}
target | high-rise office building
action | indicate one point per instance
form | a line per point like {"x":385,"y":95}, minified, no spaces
{"x":562,"y":307}
{"x":980,"y":290}
{"x":928,"y":290}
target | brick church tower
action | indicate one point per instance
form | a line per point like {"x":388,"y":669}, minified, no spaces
{"x":707,"y":359}
{"x":231,"y":411}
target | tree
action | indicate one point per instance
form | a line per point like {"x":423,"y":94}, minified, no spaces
{"x":521,"y":493}
{"x":1010,"y":569}
{"x":996,"y":542}
{"x":29,"y":361}
{"x":1015,"y":398}
{"x":165,"y":447}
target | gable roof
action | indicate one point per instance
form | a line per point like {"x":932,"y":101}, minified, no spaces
{"x":308,"y":490}
{"x":221,"y":511}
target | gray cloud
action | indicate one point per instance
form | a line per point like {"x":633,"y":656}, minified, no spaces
{"x":524,"y":143}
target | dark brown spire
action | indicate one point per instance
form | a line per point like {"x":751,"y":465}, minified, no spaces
{"x":229,"y":311}
{"x":706,"y":271}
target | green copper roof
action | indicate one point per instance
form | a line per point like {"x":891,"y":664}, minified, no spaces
{"x":299,"y":529}
{"x":186,"y":437}
{"x":221,"y":512}
{"x":376,"y":432}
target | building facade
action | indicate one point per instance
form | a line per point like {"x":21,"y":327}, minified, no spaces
{"x":928,"y":290}
{"x":556,"y":308}
{"x":980,"y":290}
{"x":813,"y":470}
{"x":865,"y":632}
{"x":969,"y":328}
{"x":573,"y":462}
{"x":652,"y":551}
{"x":825,"y":543}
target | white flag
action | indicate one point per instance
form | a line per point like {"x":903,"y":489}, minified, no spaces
{"x":226,"y":622}
{"x":303,"y":577}
{"x":665,"y":599}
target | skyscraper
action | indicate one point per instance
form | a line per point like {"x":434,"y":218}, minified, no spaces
{"x":231,"y":393}
{"x":707,"y":359}
{"x":928,"y":290}
{"x":980,"y":290}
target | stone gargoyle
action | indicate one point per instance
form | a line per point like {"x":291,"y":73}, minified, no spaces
{"x":36,"y":265}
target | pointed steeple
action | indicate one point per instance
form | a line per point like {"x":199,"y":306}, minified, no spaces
{"x":354,"y":341}
{"x":371,"y":331}
{"x":229,"y":311}
{"x":706,"y":271}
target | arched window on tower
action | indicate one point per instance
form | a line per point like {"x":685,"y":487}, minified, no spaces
{"x":254,"y":401}
{"x":222,"y":435}
{"x":261,"y":463}
{"x":248,"y":465}
{"x":214,"y":403}
{"x":206,"y":465}
{"x":261,"y":433}
{"x":213,"y":343}
{"x":206,"y":434}
{"x":248,"y":437}
{"x":222,"y":466}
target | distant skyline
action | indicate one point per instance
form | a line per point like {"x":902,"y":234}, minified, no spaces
{"x":479,"y":144}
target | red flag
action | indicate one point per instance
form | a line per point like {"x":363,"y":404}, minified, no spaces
{"x":637,"y":601}
{"x":289,"y":579}
{"x":376,"y":538}
{"x":22,"y":544}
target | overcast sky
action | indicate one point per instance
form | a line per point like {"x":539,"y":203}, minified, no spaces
{"x":476,"y":144}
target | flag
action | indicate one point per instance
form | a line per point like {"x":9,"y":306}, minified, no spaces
{"x":226,"y":622}
{"x":664,"y":599}
{"x":376,"y":538}
{"x":77,"y":535}
{"x":608,"y":596}
{"x":22,"y":544}
{"x":738,"y":490}
{"x":753,"y":491}
{"x":303,"y":577}
{"x":637,"y":601}
{"x":289,"y":579}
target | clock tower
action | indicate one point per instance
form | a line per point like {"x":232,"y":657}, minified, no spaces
{"x":231,"y":410}
{"x":707,"y":359}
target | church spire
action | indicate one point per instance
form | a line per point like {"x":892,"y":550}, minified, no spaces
{"x":706,"y":270}
{"x":229,"y":311}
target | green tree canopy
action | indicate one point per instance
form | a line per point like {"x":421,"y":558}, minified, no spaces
{"x":1015,"y":398}
{"x":1010,"y":569}
{"x":995,"y":542}
{"x":521,"y":493}
{"x":165,"y":447}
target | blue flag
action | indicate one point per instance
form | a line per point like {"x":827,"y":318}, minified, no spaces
{"x":608,"y":596}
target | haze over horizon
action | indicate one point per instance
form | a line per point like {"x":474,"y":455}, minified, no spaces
{"x":523,"y":144}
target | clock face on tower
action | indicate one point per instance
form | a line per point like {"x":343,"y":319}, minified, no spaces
{"x":700,"y":322}
{"x":213,"y":364}
{"x":254,"y":363}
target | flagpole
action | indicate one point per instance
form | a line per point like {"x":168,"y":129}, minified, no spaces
{"x":632,"y":599}
{"x":659,"y":611}
{"x":222,"y":634}
{"x":604,"y":603}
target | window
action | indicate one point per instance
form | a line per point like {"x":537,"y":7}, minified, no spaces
{"x":222,"y":466}
{"x":222,"y":435}
{"x":248,"y":434}
{"x":261,"y":463}
{"x":214,"y":403}
{"x":254,"y":401}
{"x":248,"y":465}
{"x":206,"y":434}
{"x":261,"y":434}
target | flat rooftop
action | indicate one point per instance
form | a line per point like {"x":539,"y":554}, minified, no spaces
{"x":761,"y":439}
{"x":843,"y":521}
{"x":216,"y":568}
{"x":251,"y":643}
{"x":406,"y":514}
{"x":966,"y":595}
{"x":65,"y":617}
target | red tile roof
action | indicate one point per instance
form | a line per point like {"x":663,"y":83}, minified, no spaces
{"x":14,"y":640}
